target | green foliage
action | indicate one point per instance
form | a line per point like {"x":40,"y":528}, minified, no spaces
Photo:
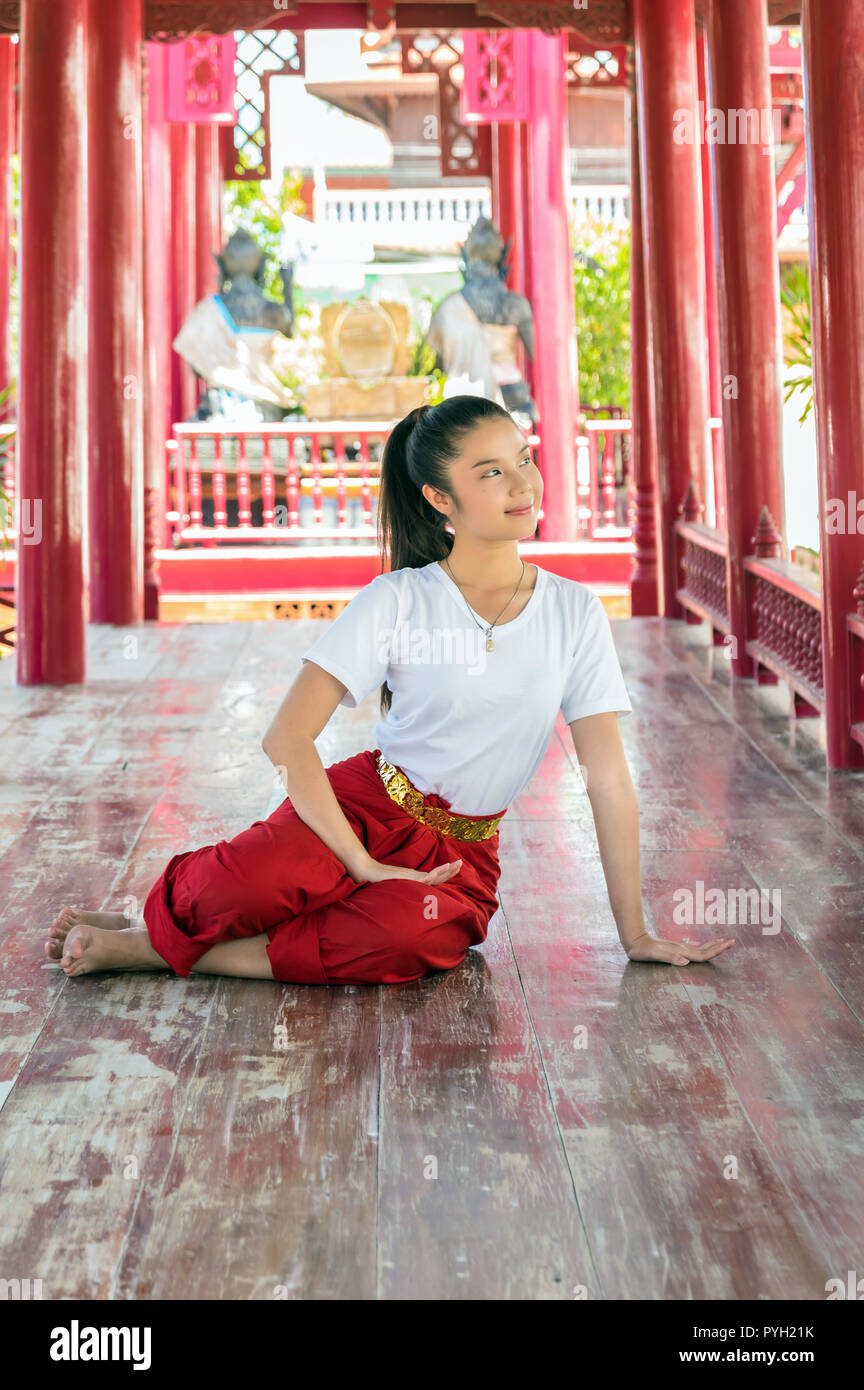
{"x":422,"y":355}
{"x":601,"y":285}
{"x":260,"y":213}
{"x":6,"y":397}
{"x":795,"y":295}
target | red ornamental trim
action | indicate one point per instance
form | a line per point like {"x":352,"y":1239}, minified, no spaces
{"x":172,"y":19}
{"x":495,"y":85}
{"x":590,"y":67}
{"x":466,"y":150}
{"x":201,"y":79}
{"x":599,"y":21}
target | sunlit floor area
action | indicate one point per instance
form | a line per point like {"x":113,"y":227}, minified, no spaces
{"x":546,"y":1121}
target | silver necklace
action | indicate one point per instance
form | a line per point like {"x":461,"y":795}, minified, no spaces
{"x":490,"y":645}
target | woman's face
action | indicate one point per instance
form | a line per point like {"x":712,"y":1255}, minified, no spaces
{"x":494,"y":478}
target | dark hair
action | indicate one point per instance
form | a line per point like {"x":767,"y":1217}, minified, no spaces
{"x":411,"y":532}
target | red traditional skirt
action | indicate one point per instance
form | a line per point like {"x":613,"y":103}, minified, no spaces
{"x":279,"y":878}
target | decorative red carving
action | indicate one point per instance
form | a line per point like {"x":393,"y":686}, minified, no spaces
{"x":790,"y":630}
{"x":601,"y":21}
{"x":767,"y":541}
{"x":466,"y":150}
{"x":598,"y":67}
{"x":495,"y":82}
{"x":201,"y":79}
{"x":175,"y":19}
{"x":690,"y":508}
{"x":705,"y":576}
{"x":786,"y":87}
{"x":261,"y":55}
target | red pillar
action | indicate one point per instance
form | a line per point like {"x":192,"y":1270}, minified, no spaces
{"x":556,"y":384}
{"x":208,"y":208}
{"x":644,"y":584}
{"x":714,"y":385}
{"x":835,"y":175}
{"x":508,"y":195}
{"x":184,"y":391}
{"x":157,"y":321}
{"x":52,"y":385}
{"x":527,"y":254}
{"x":527,"y":181}
{"x":748,"y":296}
{"x":665,"y":39}
{"x":116,"y":312}
{"x":7,"y":149}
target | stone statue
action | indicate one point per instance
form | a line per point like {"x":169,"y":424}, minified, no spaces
{"x":474,"y":330}
{"x":228,"y":337}
{"x":242,"y":267}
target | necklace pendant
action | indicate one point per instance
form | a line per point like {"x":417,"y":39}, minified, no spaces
{"x":490,"y":645}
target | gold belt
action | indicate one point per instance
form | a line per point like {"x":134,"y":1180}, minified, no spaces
{"x":399,"y":789}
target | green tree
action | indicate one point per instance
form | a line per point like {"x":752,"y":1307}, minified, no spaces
{"x":601,"y":286}
{"x":795,"y":295}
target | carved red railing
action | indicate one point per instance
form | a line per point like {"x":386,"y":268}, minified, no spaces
{"x":855,"y":629}
{"x":785,"y":610}
{"x":279,"y":482}
{"x":703,"y":563}
{"x":603,"y":478}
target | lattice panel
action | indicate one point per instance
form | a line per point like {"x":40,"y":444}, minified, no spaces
{"x":601,"y":67}
{"x":261,"y":55}
{"x":466,"y":150}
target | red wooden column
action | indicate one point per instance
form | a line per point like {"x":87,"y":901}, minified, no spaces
{"x":52,"y":386}
{"x":834,"y":121}
{"x":666,"y":79}
{"x":556,"y":383}
{"x":157,"y":320}
{"x":714,"y":384}
{"x":208,"y":208}
{"x":524,"y":154}
{"x":508,"y":196}
{"x":748,"y":297}
{"x":116,"y":312}
{"x":527,"y":180}
{"x":184,"y":392}
{"x":7,"y":149}
{"x":644,"y":583}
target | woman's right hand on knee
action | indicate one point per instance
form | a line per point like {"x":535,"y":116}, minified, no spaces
{"x":372,"y":871}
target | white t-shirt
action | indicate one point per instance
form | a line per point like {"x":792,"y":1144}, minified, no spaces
{"x":469,"y":725}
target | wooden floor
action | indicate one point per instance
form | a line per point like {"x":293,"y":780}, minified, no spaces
{"x":548,"y":1121}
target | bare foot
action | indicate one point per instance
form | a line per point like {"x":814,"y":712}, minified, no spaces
{"x":74,"y":917}
{"x":88,"y":949}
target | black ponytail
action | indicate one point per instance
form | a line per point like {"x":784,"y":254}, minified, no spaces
{"x":411,"y":532}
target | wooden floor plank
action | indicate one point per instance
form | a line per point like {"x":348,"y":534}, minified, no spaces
{"x":151,"y":1123}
